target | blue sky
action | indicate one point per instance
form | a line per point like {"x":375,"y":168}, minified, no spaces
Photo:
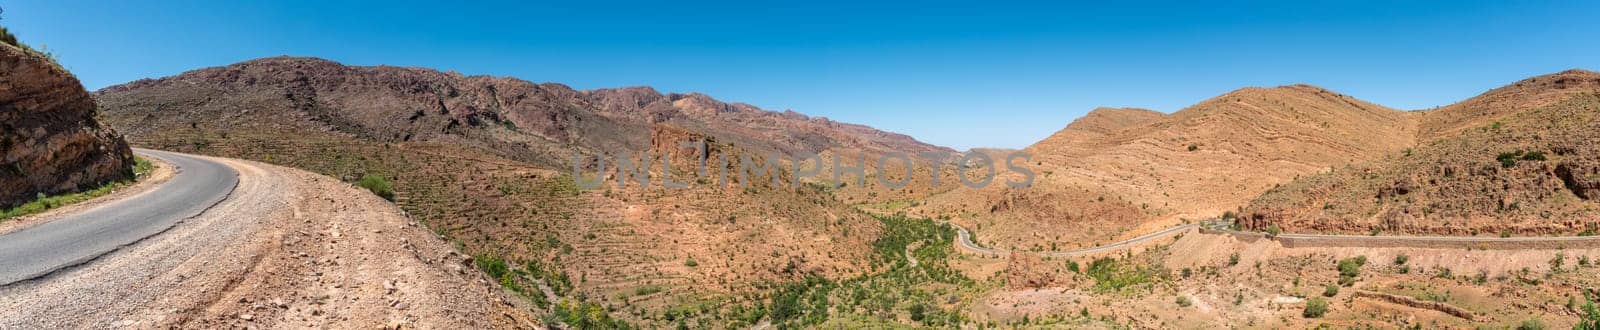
{"x":959,"y":74}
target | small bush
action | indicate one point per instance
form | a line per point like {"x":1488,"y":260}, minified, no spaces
{"x":494,"y":266}
{"x":1183,"y":301}
{"x":1444,"y":273}
{"x":646,"y":290}
{"x":378,"y":185}
{"x":1193,"y":147}
{"x":1508,"y":159}
{"x":691,"y":262}
{"x":1109,"y":275}
{"x":1330,"y":290}
{"x":1350,"y":269}
{"x":1591,"y":316}
{"x":1274,"y":230}
{"x":1534,"y":156}
{"x":1401,"y":259}
{"x":1233,"y":259}
{"x":1315,"y":307}
{"x":1531,"y":324}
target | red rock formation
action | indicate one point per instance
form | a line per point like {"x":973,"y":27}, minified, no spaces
{"x":50,"y":141}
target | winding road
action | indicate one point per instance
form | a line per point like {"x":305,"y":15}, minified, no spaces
{"x":964,"y":240}
{"x":77,"y":238}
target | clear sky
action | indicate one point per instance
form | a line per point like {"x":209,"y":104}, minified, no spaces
{"x":959,"y":74}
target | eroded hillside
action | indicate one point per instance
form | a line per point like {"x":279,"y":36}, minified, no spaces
{"x":1120,"y":172}
{"x":486,"y":162}
{"x":1518,"y":160}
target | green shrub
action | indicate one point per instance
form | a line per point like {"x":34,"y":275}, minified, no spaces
{"x":1534,"y":156}
{"x":1590,"y":320}
{"x":1274,"y":230}
{"x":1350,"y":268}
{"x":1508,"y":159}
{"x":9,"y":39}
{"x":378,"y":185}
{"x":1110,"y":275}
{"x":1330,"y":290}
{"x":492,"y":265}
{"x":691,"y":262}
{"x":645,"y":290}
{"x":1315,"y":307}
{"x":1531,"y":324}
{"x":1183,"y":301}
{"x":1401,"y":259}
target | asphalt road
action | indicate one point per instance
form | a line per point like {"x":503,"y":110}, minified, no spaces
{"x":964,"y":239}
{"x":80,"y":237}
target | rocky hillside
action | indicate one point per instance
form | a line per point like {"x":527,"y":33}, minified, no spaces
{"x":1520,"y":159}
{"x":517,"y":119}
{"x":50,"y":140}
{"x":484,"y":161}
{"x":1120,"y":172}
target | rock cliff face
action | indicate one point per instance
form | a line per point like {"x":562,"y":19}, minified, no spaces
{"x":50,"y":141}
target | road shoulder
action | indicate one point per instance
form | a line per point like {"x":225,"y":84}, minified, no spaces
{"x":287,"y":249}
{"x":162,"y":171}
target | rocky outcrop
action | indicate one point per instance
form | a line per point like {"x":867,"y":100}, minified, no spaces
{"x":1518,"y":160}
{"x":1583,"y":183}
{"x":1029,"y":271}
{"x":50,"y":141}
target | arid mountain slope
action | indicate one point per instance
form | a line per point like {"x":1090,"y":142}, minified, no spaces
{"x":1116,"y":170}
{"x":1507,"y":100}
{"x":50,"y":140}
{"x":485,"y":162}
{"x":1088,"y":133}
{"x":1520,"y":159}
{"x":539,"y":123}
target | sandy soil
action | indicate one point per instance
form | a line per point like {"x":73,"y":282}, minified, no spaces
{"x":287,"y":249}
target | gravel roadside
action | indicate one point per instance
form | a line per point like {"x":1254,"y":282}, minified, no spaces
{"x":287,"y":249}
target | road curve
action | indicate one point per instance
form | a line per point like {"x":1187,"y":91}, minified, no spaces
{"x":964,"y":240}
{"x":76,"y":238}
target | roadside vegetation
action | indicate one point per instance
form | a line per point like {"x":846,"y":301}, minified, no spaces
{"x":928,"y":294}
{"x":41,"y":202}
{"x":378,"y":186}
{"x":1113,"y":276}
